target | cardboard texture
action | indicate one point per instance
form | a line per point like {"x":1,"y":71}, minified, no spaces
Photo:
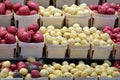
{"x":82,"y":20}
{"x":20,"y":1}
{"x":93,"y":78}
{"x":44,"y":3}
{"x":101,"y":52}
{"x":117,"y":54}
{"x":7,"y":50}
{"x":115,"y":1}
{"x":41,"y":78}
{"x":79,"y":51}
{"x":56,"y":51}
{"x":24,"y":21}
{"x":31,"y":49}
{"x":109,"y":78}
{"x":100,"y":20}
{"x":5,"y":20}
{"x":57,"y":22}
{"x":88,"y":2}
{"x":60,"y":3}
{"x":61,"y":78}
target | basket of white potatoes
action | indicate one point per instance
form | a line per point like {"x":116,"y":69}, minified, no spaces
{"x":101,"y":44}
{"x":77,"y":14}
{"x":51,"y":16}
{"x":78,"y":42}
{"x":56,"y":45}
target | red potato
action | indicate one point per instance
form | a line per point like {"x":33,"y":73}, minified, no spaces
{"x":10,"y":38}
{"x":3,"y":33}
{"x":113,"y":5}
{"x":33,"y":27}
{"x":2,"y":8}
{"x":111,"y":11}
{"x":102,"y":10}
{"x":0,"y":39}
{"x":8,"y":4}
{"x":33,"y":12}
{"x":22,"y":29}
{"x":35,"y":74}
{"x":105,"y":4}
{"x":12,"y":30}
{"x":25,"y":37}
{"x":38,"y":38}
{"x":17,"y":13}
{"x":2,"y":28}
{"x":93,"y":7}
{"x":31,"y":32}
{"x":21,"y":66}
{"x":24,"y":10}
{"x":16,"y":7}
{"x":36,"y":63}
{"x":33,"y":5}
{"x":13,"y":67}
{"x":20,"y":63}
{"x":8,"y":11}
{"x":3,"y":41}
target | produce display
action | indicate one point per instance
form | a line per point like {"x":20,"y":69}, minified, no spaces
{"x":74,"y":32}
{"x":37,"y":69}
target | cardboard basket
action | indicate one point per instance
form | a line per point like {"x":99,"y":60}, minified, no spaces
{"x":56,"y":51}
{"x":60,"y":3}
{"x":79,"y":51}
{"x":44,"y":3}
{"x":88,"y":2}
{"x":20,"y":1}
{"x":100,"y":20}
{"x":101,"y":52}
{"x":31,"y":49}
{"x":92,"y":78}
{"x":57,"y":22}
{"x":11,"y":79}
{"x":115,"y":1}
{"x":117,"y":51}
{"x":61,"y":78}
{"x":41,"y":78}
{"x":5,"y":20}
{"x":7,"y":50}
{"x":82,"y":20}
{"x":24,"y":21}
{"x":109,"y":78}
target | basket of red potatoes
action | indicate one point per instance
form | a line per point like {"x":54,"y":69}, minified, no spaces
{"x":8,"y":42}
{"x":115,"y":36}
{"x":6,"y":13}
{"x":26,"y":14}
{"x":104,"y":14}
{"x":31,"y":41}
